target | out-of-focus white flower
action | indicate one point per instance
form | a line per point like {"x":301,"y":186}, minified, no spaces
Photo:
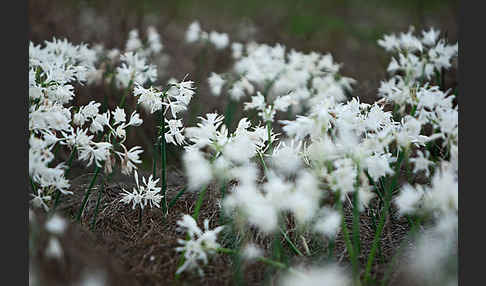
{"x":430,"y":37}
{"x":193,"y":32}
{"x":216,"y":83}
{"x":257,"y":102}
{"x":56,"y":225}
{"x":285,"y":157}
{"x":54,"y":248}
{"x":237,"y":49}
{"x":93,"y":277}
{"x":197,"y":169}
{"x":389,"y":42}
{"x":251,"y":252}
{"x":421,"y":163}
{"x":219,"y":40}
{"x":378,"y":166}
{"x":133,"y":43}
{"x":328,"y":223}
{"x":153,"y":39}
{"x":408,"y":201}
{"x":327,"y":275}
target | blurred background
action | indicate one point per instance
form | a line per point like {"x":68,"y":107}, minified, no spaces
{"x":348,"y":29}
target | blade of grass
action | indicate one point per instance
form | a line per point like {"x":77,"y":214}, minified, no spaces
{"x":174,"y":199}
{"x":292,"y":245}
{"x":100,"y":194}
{"x":163,"y":156}
{"x":199,"y":203}
{"x":86,"y":195}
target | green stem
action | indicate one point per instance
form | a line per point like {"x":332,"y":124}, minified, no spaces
{"x":260,"y":258}
{"x":414,"y":109}
{"x":269,"y":131}
{"x":174,"y":200}
{"x":163,"y":156}
{"x":34,"y":187}
{"x":199,"y":203}
{"x":277,"y":244}
{"x":330,"y":248}
{"x":347,"y":240}
{"x":223,"y":193}
{"x":230,"y":109}
{"x":265,"y":170}
{"x":100,"y":194}
{"x":86,"y":195}
{"x":125,"y":93}
{"x":356,"y":241}
{"x":292,"y":245}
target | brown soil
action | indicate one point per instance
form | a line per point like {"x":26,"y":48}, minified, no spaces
{"x":133,"y":254}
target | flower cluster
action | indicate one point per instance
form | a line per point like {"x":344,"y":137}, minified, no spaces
{"x":225,"y":152}
{"x":94,"y":136}
{"x":419,"y":58}
{"x":194,"y":34}
{"x":174,"y":100}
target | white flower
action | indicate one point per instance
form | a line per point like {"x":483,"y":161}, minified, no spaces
{"x":300,"y":127}
{"x":378,"y":166}
{"x":56,"y":225}
{"x":54,"y":248}
{"x":328,"y":223}
{"x":129,"y":159}
{"x":119,"y":115}
{"x":443,"y":196}
{"x":327,"y":275}
{"x":148,"y":98}
{"x":193,"y":32}
{"x":251,"y":252}
{"x":153,"y":38}
{"x":143,"y":194}
{"x":240,"y":149}
{"x":408,"y":200}
{"x":216,"y":83}
{"x":421,"y":163}
{"x":237,"y":50}
{"x":97,"y":151}
{"x":197,"y":169}
{"x":257,"y":102}
{"x":200,"y":244}
{"x":174,"y":134}
{"x":39,"y":200}
{"x":389,"y":42}
{"x":220,"y":40}
{"x":429,"y":38}
{"x":133,"y":43}
{"x":285,"y":157}
{"x":282,"y":103}
{"x":99,"y":122}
